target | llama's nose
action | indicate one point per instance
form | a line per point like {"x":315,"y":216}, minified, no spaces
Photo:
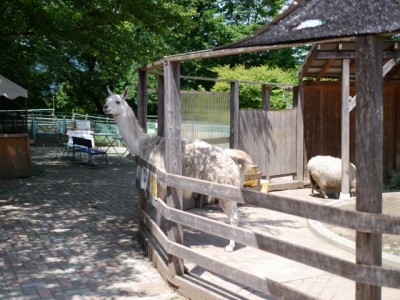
{"x":105,"y":106}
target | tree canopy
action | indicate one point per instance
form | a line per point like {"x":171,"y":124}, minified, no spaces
{"x":73,"y":49}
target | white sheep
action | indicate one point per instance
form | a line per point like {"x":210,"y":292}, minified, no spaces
{"x":326,"y":173}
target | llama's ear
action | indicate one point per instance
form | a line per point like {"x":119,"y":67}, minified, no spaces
{"x":125,"y":93}
{"x":109,"y":91}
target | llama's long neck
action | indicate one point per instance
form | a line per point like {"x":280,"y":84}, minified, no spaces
{"x":130,"y":130}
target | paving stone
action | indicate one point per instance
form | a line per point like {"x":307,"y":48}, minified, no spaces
{"x":80,"y":234}
{"x":29,"y":291}
{"x":67,"y":234}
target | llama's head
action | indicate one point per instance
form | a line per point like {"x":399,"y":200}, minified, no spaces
{"x":115,"y":104}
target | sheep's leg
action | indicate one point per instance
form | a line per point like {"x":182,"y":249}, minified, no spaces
{"x":323,"y":192}
{"x":312,"y":190}
{"x":313,"y":184}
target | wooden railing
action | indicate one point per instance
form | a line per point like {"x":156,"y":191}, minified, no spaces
{"x":359,"y":221}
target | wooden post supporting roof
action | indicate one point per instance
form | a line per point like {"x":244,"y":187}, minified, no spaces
{"x":160,"y":105}
{"x":369,"y":119}
{"x":142,"y":112}
{"x":173,"y":155}
{"x":142,"y":99}
{"x":345,"y":140}
{"x":234,"y":122}
{"x":298,"y":103}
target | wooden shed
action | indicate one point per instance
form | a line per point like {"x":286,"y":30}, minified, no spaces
{"x":15,"y":156}
{"x":304,"y":22}
{"x":321,"y":78}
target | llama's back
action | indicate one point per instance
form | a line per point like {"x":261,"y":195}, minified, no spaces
{"x":208,"y":162}
{"x":199,"y":160}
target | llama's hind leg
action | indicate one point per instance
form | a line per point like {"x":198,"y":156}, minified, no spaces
{"x":229,"y":208}
{"x":233,"y":220}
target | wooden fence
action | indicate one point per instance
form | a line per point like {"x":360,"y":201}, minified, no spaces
{"x":359,"y":221}
{"x":270,"y":138}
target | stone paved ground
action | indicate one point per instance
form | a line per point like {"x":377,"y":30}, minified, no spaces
{"x":69,"y":232}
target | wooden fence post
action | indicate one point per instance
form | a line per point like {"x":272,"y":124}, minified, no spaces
{"x":173,"y":155}
{"x":142,"y":99}
{"x":369,"y":117}
{"x":142,"y":118}
{"x":266,"y":97}
{"x":234,"y":100}
{"x":345,"y":141}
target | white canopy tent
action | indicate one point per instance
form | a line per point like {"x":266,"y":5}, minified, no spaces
{"x":10,"y":89}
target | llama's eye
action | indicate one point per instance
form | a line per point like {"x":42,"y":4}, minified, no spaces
{"x":118,"y":102}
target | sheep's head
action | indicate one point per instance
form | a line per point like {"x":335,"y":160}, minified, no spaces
{"x":115,"y":104}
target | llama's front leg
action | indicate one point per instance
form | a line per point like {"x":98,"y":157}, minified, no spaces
{"x":233,"y":220}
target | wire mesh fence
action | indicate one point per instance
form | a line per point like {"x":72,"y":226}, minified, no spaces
{"x":206,"y":116}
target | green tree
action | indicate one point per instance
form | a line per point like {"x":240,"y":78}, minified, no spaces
{"x":73,"y":49}
{"x":79,"y":47}
{"x":250,"y":94}
{"x":224,"y":21}
{"x":249,"y":12}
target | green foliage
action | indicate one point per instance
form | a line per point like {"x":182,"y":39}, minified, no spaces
{"x":249,"y":11}
{"x":80,"y":47}
{"x":73,"y":49}
{"x":222,"y":22}
{"x":250,"y":94}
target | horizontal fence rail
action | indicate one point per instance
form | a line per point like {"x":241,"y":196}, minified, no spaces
{"x":258,"y":283}
{"x":360,"y":221}
{"x":356,"y":220}
{"x":48,"y":123}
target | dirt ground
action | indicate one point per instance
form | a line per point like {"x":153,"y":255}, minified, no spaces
{"x":391,"y":205}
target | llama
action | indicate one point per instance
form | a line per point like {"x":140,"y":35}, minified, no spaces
{"x":199,"y":159}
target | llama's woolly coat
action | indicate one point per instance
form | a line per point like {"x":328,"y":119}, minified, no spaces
{"x":199,"y":160}
{"x":326,"y":173}
{"x":242,"y":159}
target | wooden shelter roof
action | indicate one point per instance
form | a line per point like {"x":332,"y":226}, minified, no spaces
{"x":316,"y":20}
{"x":309,"y":21}
{"x":325,"y":60}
